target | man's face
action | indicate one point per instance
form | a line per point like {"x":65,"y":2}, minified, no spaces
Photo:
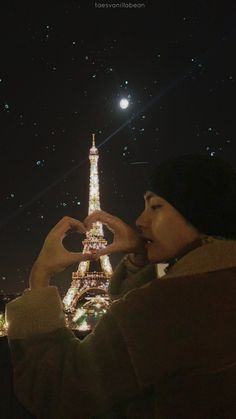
{"x":166,"y":231}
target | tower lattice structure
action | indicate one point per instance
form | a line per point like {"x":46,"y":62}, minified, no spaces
{"x":85,"y":281}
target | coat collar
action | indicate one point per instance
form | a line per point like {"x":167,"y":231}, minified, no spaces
{"x":213,"y":255}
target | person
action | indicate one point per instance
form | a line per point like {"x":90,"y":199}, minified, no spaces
{"x":166,"y":348}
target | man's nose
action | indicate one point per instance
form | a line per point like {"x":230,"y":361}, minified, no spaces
{"x":141,"y":221}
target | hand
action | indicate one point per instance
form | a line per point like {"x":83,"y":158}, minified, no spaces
{"x":125,"y":238}
{"x":53,"y":256}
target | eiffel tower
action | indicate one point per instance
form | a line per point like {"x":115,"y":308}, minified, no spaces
{"x":93,"y":284}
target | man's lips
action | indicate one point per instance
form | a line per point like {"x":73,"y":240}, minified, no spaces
{"x":147,"y":240}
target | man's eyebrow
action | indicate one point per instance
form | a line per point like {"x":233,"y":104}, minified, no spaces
{"x":148,"y":196}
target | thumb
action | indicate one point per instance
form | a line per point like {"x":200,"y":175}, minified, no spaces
{"x":111,"y":248}
{"x":75,"y":257}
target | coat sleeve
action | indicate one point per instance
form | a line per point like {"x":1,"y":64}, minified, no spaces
{"x":127,"y":277}
{"x":57,"y":376}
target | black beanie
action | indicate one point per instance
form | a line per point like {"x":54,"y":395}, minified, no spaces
{"x":202,"y":189}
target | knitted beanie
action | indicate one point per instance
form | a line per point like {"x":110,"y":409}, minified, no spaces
{"x":202,"y":189}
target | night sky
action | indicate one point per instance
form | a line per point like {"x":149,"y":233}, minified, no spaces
{"x":64,"y":67}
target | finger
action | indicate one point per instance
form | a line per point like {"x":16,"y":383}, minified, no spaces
{"x":75,"y":257}
{"x":68,"y":224}
{"x":93,"y":217}
{"x":111,"y":248}
{"x":105,"y":218}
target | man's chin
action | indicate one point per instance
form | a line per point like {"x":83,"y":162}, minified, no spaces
{"x":155,"y":258}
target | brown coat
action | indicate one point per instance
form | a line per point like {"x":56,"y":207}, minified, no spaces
{"x":166,"y":350}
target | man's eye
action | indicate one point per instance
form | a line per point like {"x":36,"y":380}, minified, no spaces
{"x":154,"y":207}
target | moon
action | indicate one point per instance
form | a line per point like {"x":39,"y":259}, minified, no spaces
{"x":124,"y":103}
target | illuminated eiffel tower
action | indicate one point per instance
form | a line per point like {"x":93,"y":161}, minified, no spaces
{"x":93,"y":284}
